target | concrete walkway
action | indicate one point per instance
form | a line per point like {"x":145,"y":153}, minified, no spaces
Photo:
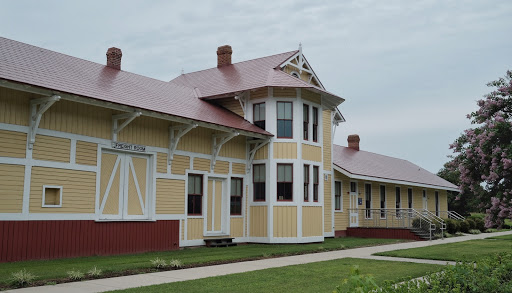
{"x":133,"y":281}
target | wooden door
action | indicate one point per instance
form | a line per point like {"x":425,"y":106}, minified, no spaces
{"x":123,"y":186}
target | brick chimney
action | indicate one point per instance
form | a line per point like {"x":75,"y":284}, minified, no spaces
{"x":224,"y":55}
{"x":353,"y":141}
{"x":114,"y":58}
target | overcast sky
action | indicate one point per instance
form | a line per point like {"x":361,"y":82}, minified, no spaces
{"x":410,"y":71}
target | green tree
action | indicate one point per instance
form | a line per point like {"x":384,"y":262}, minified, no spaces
{"x":463,"y":205}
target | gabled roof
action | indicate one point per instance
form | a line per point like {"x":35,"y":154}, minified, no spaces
{"x":370,"y":166}
{"x":27,"y":64}
{"x":252,"y":74}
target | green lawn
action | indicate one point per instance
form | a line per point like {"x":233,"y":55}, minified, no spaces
{"x":471,"y":250}
{"x":57,"y":269}
{"x":312,"y":277}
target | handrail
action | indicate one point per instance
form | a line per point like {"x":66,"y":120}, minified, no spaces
{"x":453,"y":215}
{"x":437,"y":219}
{"x":396,"y":218}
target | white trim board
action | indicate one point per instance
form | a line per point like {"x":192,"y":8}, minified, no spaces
{"x":391,"y":181}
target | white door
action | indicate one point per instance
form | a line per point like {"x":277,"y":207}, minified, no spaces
{"x":217,"y":214}
{"x":354,"y":205}
{"x":124,"y":186}
{"x":425,"y":200}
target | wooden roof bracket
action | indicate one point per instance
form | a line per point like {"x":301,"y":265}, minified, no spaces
{"x":243,"y":98}
{"x":37,"y":109}
{"x":115,"y":119}
{"x":258,"y":144}
{"x":336,"y":119}
{"x":175,"y":133}
{"x":218,"y":141}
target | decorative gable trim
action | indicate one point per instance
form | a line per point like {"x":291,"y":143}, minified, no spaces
{"x":299,"y":64}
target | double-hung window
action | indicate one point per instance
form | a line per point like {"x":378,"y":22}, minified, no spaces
{"x":305,"y":123}
{"x":315,"y":124}
{"x":315,"y":183}
{"x":368,"y":200}
{"x":259,"y":115}
{"x":409,"y":197}
{"x":337,"y":195}
{"x":383,"y":201}
{"x":195,"y":194}
{"x":306,"y":182}
{"x":284,"y":182}
{"x":258,"y":179}
{"x":284,"y":120}
{"x":398,"y":202}
{"x":236,"y":197}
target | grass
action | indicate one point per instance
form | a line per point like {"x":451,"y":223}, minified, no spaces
{"x":313,"y":277}
{"x":471,"y":250}
{"x":52,"y":270}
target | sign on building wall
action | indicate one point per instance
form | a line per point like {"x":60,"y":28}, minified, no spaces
{"x":128,"y":147}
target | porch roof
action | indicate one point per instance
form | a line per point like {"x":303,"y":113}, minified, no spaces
{"x":370,"y":166}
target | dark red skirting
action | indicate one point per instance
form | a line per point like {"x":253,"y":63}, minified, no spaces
{"x":26,"y":240}
{"x":340,"y":233}
{"x":388,"y":233}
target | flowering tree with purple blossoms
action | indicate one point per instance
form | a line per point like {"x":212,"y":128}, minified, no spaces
{"x":483,"y":154}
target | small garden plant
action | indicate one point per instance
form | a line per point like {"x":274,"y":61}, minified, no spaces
{"x":94,"y":272}
{"x":75,"y":275}
{"x":22,"y":278}
{"x":158,"y":263}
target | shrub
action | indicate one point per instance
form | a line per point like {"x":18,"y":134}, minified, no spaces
{"x":480,"y":224}
{"x":464,"y":226}
{"x":491,"y":274}
{"x":158,"y":263}
{"x":488,"y":275}
{"x":491,"y":230}
{"x":506,"y":226}
{"x":474,"y":231}
{"x":75,"y":275}
{"x":22,"y":278}
{"x":357,"y":282}
{"x":95,"y":272}
{"x":451,"y":226}
{"x":472,"y":224}
{"x":175,"y":263}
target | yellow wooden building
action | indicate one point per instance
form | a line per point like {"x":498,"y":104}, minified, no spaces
{"x":97,"y":160}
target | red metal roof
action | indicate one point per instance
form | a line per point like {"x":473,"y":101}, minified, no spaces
{"x":36,"y":66}
{"x":246,"y":75}
{"x":383,"y":167}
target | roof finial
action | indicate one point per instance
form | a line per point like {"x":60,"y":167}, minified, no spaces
{"x":300,"y":48}
{"x":182,"y":71}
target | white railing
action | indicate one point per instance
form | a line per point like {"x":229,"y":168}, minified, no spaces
{"x":436,"y":220}
{"x":400,"y":218}
{"x":452,"y":215}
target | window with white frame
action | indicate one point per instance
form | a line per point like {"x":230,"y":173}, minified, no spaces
{"x":368,"y":200}
{"x":258,"y":179}
{"x":195,"y":195}
{"x":284,"y":182}
{"x":315,"y":183}
{"x":52,"y":196}
{"x":337,"y":195}
{"x":383,"y":201}
{"x":235,"y":206}
{"x":284,"y":120}
{"x":315,"y":124}
{"x":398,"y":201}
{"x":409,"y":197}
{"x":259,"y":115}
{"x":305,"y":123}
{"x":306,"y":182}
